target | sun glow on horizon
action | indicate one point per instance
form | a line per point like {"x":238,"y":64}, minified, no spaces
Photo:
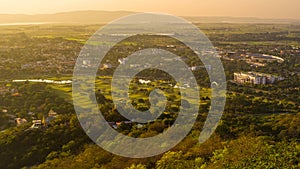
{"x":235,"y":8}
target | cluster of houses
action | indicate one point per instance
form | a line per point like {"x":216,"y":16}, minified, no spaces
{"x":60,"y":64}
{"x":44,"y":122}
{"x":255,"y":78}
{"x":38,"y":123}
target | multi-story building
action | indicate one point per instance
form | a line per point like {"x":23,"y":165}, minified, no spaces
{"x":255,"y":78}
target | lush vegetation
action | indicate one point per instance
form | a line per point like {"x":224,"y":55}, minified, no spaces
{"x":259,"y":128}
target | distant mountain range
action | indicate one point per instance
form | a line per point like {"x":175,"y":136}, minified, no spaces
{"x":84,"y":17}
{"x":100,"y":17}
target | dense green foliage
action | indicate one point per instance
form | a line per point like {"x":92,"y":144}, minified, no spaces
{"x":241,"y":140}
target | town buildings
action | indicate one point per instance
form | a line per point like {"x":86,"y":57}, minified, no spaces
{"x":255,"y":78}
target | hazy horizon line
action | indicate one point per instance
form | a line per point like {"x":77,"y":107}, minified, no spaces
{"x":214,"y":16}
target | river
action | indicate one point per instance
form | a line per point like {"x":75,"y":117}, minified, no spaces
{"x":45,"y":81}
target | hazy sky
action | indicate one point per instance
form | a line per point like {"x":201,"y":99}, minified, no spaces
{"x":251,"y":8}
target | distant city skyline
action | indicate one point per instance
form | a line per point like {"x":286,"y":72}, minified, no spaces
{"x":288,"y":9}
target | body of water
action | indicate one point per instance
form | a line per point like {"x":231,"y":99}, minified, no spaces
{"x":45,"y":81}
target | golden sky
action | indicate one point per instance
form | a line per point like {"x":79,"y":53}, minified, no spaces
{"x":238,"y":8}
